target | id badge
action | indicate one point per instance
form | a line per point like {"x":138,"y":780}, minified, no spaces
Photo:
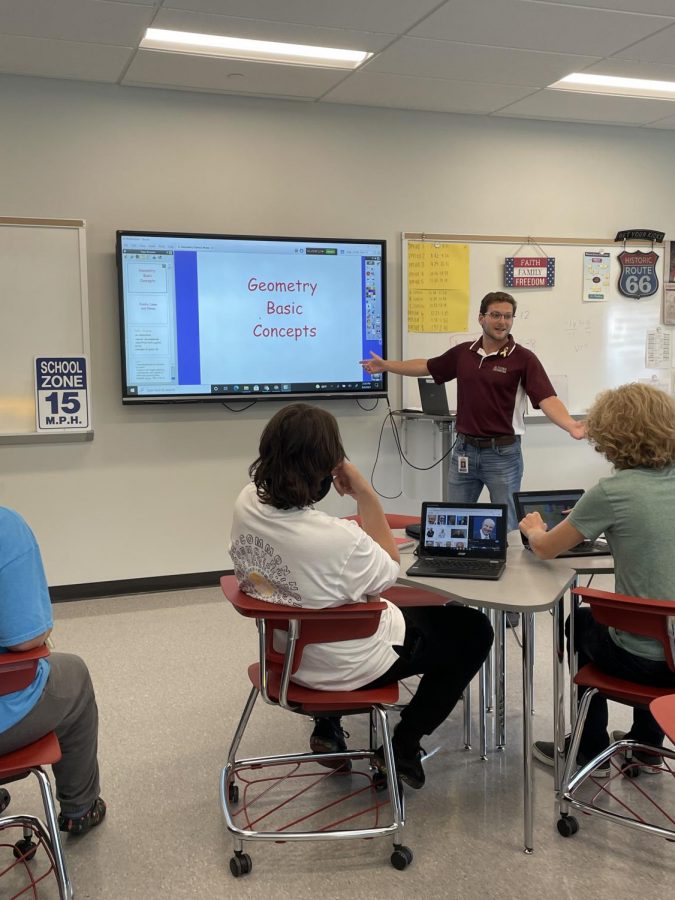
{"x":463,"y":465}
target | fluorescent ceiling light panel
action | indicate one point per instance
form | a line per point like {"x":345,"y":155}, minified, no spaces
{"x":256,"y":51}
{"x":620,"y":87}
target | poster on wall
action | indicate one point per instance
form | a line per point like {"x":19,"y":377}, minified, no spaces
{"x":529,"y":271}
{"x":596,"y":276}
{"x":669,"y":304}
{"x":638,"y":276}
{"x":61,"y":393}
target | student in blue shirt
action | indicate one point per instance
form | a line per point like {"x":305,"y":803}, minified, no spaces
{"x":61,"y":696}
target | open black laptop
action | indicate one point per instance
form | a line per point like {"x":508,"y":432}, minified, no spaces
{"x":553,"y":506}
{"x":433,"y":397}
{"x":461,"y":540}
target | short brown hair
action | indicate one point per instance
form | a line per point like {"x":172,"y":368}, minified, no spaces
{"x":299,"y":447}
{"x":497,"y":297}
{"x":633,"y":425}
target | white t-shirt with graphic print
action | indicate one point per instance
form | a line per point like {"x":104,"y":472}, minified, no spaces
{"x":304,"y":557}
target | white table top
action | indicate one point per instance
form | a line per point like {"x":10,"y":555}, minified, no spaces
{"x":528,"y":584}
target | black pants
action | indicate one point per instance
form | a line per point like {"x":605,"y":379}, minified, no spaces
{"x":595,"y":645}
{"x":446,"y":645}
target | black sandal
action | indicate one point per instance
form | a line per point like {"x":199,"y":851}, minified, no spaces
{"x":81,"y":825}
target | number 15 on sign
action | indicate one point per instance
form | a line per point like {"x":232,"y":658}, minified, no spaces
{"x":61,"y":393}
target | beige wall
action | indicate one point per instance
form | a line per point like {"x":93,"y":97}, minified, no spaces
{"x":152,"y":494}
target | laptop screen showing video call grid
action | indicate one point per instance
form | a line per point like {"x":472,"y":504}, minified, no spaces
{"x":552,"y":506}
{"x":453,"y":530}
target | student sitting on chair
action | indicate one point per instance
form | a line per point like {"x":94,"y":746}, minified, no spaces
{"x":286,"y":551}
{"x":634,"y":427}
{"x":61,"y":697}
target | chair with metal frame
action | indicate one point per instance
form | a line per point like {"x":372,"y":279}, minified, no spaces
{"x":271,"y":678}
{"x":638,"y":615}
{"x":17,"y":671}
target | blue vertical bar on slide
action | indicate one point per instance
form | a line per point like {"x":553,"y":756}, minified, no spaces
{"x":368,"y":343}
{"x":187,"y":317}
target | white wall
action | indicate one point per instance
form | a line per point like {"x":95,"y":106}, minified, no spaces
{"x":152,"y":494}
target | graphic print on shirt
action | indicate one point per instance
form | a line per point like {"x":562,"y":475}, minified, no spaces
{"x":261,"y":573}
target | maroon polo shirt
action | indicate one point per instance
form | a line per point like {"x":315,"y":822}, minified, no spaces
{"x":492,"y":389}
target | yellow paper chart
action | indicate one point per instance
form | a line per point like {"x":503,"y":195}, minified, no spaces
{"x":438,"y":287}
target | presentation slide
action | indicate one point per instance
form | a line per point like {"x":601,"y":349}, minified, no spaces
{"x":298,"y":317}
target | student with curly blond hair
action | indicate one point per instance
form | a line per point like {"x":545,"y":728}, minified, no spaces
{"x":633,"y":426}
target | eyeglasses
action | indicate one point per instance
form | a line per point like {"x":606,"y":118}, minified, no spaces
{"x":496,"y":316}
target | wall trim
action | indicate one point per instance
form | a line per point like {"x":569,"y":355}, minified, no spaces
{"x":95,"y":589}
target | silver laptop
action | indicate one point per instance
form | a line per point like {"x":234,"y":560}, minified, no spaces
{"x":553,"y":507}
{"x":433,"y":397}
{"x":461,"y":540}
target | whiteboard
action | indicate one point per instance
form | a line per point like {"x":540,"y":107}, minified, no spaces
{"x":43,"y":286}
{"x":585,"y":347}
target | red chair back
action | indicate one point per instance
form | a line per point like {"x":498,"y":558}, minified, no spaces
{"x":17,"y":670}
{"x":317,"y":626}
{"x":638,"y":615}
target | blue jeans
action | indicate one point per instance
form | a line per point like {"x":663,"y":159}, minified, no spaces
{"x":500,"y":470}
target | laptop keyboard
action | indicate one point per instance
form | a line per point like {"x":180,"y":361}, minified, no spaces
{"x":473,"y":566}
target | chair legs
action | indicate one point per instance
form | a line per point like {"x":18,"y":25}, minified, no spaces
{"x":571,"y":783}
{"x":47,"y":835}
{"x":248,"y":824}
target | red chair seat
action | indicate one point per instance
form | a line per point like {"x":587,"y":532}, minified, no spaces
{"x":618,"y":688}
{"x":313,"y":701}
{"x":44,"y":752}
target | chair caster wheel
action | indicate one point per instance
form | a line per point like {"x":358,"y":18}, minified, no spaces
{"x":567,"y":826}
{"x":240,"y":864}
{"x":401,"y":857}
{"x":233,"y":793}
{"x":379,"y":782}
{"x":4,"y":799}
{"x":25,"y":849}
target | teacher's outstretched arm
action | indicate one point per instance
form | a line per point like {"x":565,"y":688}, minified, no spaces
{"x":555,"y":410}
{"x":412,"y":367}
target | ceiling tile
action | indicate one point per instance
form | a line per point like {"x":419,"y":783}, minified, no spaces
{"x":537,"y":26}
{"x":470,"y":62}
{"x":152,"y":67}
{"x":264,"y":30}
{"x":61,"y":59}
{"x":660,"y":48}
{"x":667,"y":123}
{"x":563,"y":105}
{"x":405,"y":92}
{"x":371,"y":15}
{"x":651,"y":7}
{"x":95,"y":21}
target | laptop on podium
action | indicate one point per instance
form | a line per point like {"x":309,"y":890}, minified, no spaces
{"x":461,"y":540}
{"x":553,"y":507}
{"x":433,"y":397}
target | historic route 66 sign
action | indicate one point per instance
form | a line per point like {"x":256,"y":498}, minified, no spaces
{"x":638,"y":274}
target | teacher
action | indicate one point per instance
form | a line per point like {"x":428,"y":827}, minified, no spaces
{"x":495,"y":376}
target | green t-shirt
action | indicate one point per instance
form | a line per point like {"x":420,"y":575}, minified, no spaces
{"x":636,"y":510}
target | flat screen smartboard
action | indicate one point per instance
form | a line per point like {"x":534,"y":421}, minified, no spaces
{"x":213,"y":317}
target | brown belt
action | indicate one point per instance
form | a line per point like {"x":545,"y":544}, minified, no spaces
{"x":501,"y":440}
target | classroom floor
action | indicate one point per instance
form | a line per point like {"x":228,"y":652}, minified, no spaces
{"x":170,"y":675}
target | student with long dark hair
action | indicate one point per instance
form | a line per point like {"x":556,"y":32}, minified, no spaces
{"x":286,"y":551}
